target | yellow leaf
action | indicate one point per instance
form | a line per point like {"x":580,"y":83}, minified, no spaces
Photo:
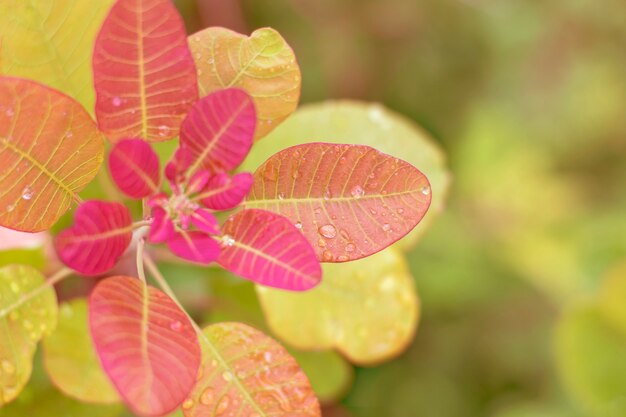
{"x":71,"y":359}
{"x":263,"y":65}
{"x":51,"y":41}
{"x":367,"y":309}
{"x":24,"y":319}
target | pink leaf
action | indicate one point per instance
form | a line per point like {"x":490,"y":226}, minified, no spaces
{"x":134,"y":167}
{"x":266,"y":248}
{"x":205,"y":221}
{"x":177,"y":166}
{"x":219,"y":130}
{"x":350,"y":201}
{"x":144,"y":74}
{"x":100,"y":235}
{"x":146,"y":344}
{"x":162,"y":227}
{"x":223,"y":192}
{"x":194,"y":246}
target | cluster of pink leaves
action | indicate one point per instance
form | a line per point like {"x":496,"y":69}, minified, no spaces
{"x":146,"y":86}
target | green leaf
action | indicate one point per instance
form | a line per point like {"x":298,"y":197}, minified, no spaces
{"x":71,"y":360}
{"x":354,"y":122}
{"x":51,"y":41}
{"x":329,"y":373}
{"x":367,"y":309}
{"x":23,"y":321}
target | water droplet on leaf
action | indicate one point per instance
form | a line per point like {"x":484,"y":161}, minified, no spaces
{"x":116,"y":101}
{"x":425,"y":190}
{"x":207,"y":397}
{"x":177,"y":326}
{"x":357,"y":191}
{"x":27,"y":193}
{"x":328,"y":231}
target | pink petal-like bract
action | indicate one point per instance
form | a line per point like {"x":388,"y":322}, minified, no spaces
{"x":219,"y":130}
{"x":99,"y":236}
{"x":162,"y":227}
{"x":224,"y":192}
{"x":146,"y":344}
{"x":194,"y":246}
{"x":205,"y":221}
{"x":134,"y":167}
{"x":267,"y":248}
{"x":144,"y":74}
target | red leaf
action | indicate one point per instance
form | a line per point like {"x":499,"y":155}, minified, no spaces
{"x":194,"y":246}
{"x":350,"y":201}
{"x":266,"y":248}
{"x":144,"y":74}
{"x":219,"y":130}
{"x":146,"y":344}
{"x":205,"y":221}
{"x":162,"y":227}
{"x":100,"y":235}
{"x":134,"y":167}
{"x":224,"y":192}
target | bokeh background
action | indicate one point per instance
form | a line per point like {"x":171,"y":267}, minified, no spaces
{"x":521,"y":272}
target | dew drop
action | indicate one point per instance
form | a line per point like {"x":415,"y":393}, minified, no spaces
{"x":327,"y":255}
{"x":69,"y":135}
{"x":281,"y":196}
{"x":343,"y":258}
{"x":400,"y":210}
{"x":27,"y":193}
{"x":318,"y":210}
{"x":177,"y":326}
{"x":116,"y":101}
{"x":10,"y":208}
{"x":386,"y":227}
{"x":373,"y":211}
{"x":211,"y":61}
{"x":357,"y":191}
{"x":164,"y":130}
{"x":227,"y":376}
{"x":187,"y":404}
{"x":298,"y":225}
{"x":350,"y":247}
{"x":425,"y":190}
{"x":321,"y":243}
{"x":328,"y":231}
{"x":207,"y":397}
{"x":228,"y":240}
{"x":223,"y":404}
{"x":9,"y":112}
{"x":8,"y":367}
{"x":327,"y":195}
{"x":198,"y":55}
{"x":267,"y":356}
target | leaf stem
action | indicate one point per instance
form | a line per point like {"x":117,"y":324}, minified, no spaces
{"x":54,"y":279}
{"x":141,"y":243}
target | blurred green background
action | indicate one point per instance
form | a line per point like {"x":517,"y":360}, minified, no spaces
{"x":527,"y":99}
{"x":522,"y":275}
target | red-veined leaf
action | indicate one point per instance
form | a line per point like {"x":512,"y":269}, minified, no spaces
{"x":246,"y":373}
{"x":162,"y":227}
{"x":219,"y":130}
{"x":205,"y":221}
{"x":99,"y":236}
{"x":266,"y":248}
{"x":350,"y":201}
{"x":194,"y":246}
{"x":223,"y":192}
{"x":134,"y":167}
{"x":50,"y":149}
{"x":146,"y":344}
{"x":144,"y":74}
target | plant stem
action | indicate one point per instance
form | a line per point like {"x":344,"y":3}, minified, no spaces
{"x":50,"y":282}
{"x":141,"y":243}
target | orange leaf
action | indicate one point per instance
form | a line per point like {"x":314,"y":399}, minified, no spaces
{"x":50,"y":149}
{"x":248,"y":374}
{"x":350,"y":201}
{"x":263,"y":65}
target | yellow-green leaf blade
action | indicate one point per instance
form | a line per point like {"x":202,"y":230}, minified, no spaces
{"x":50,"y":149}
{"x":22,"y":324}
{"x":71,"y":360}
{"x":367,"y":309}
{"x":51,"y":41}
{"x":263,"y":65}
